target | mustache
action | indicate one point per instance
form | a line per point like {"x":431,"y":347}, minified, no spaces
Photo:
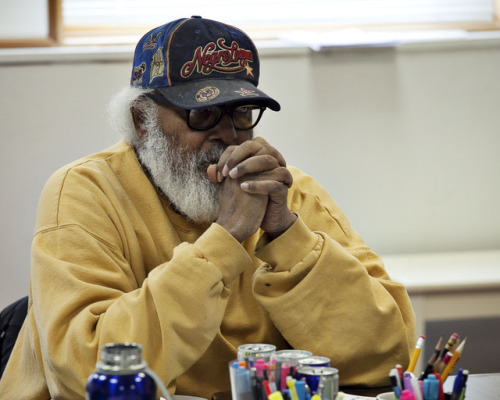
{"x":211,"y":156}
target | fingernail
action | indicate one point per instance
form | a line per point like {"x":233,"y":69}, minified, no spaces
{"x":234,"y":172}
{"x":219,"y":177}
{"x":225,"y":170}
{"x":244,"y":185}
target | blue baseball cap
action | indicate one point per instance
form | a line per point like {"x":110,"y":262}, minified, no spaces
{"x":196,"y":63}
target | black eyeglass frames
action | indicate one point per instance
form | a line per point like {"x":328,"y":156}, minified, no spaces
{"x":243,"y":116}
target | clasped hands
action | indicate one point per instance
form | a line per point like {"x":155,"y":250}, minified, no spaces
{"x":254,"y":184}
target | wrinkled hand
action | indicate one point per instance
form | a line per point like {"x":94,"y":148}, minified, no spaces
{"x":260,"y":171}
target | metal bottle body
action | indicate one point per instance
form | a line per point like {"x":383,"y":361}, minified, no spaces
{"x":102,"y":386}
{"x":121,"y":375}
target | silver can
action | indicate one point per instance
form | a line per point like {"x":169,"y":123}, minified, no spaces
{"x":285,"y":360}
{"x":323,"y":381}
{"x":315,"y":361}
{"x":255,"y":351}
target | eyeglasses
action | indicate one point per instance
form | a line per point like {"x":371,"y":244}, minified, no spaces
{"x":244,"y":117}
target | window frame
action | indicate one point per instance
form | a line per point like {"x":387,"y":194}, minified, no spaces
{"x":54,"y":37}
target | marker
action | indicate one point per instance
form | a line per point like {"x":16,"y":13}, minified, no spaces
{"x":395,"y":382}
{"x":300,"y":388}
{"x":242,"y":383}
{"x":416,"y":353}
{"x":453,"y":360}
{"x":407,"y":395}
{"x":458,"y":385}
{"x":417,"y":392}
{"x":267,"y":389}
{"x":285,"y":369}
{"x":291,"y":387}
{"x":440,"y":387}
{"x":431,"y":388}
{"x":399,"y":368}
{"x":275,"y":396}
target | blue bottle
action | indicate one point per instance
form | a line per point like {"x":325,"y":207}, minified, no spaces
{"x":121,"y":375}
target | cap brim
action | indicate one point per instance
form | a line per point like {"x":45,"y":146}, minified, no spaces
{"x":213,"y":92}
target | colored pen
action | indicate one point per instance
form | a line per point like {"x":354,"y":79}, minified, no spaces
{"x":407,"y":395}
{"x":453,"y":360}
{"x":440,"y":387}
{"x":291,"y":387}
{"x":285,"y":369}
{"x":275,"y":396}
{"x":416,"y":353}
{"x":407,"y":381}
{"x":399,"y":368}
{"x":416,"y":389}
{"x":431,"y":388}
{"x":300,"y":388}
{"x":458,"y":385}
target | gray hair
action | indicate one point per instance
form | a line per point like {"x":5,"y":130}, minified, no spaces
{"x":120,"y":114}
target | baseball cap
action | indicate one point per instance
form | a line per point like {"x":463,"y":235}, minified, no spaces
{"x":196,"y":63}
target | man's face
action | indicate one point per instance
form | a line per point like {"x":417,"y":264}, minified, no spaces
{"x":177,"y":158}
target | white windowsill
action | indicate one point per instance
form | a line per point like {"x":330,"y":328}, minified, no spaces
{"x":446,"y":272}
{"x":293,"y":44}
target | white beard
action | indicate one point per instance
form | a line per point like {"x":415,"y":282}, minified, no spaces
{"x":181,"y":174}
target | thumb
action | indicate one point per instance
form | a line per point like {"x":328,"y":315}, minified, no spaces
{"x":212,"y":173}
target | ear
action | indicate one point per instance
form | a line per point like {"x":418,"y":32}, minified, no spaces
{"x":138,"y":119}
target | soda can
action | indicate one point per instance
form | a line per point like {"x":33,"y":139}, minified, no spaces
{"x":121,"y":374}
{"x":315,"y":361}
{"x":287,"y":361}
{"x":291,"y":356}
{"x":255,"y":351}
{"x":323,"y":381}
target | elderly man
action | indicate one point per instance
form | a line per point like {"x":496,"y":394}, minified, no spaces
{"x":191,"y":238}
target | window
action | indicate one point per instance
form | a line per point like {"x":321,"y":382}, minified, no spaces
{"x":125,"y":21}
{"x":30,"y":23}
{"x":266,"y":19}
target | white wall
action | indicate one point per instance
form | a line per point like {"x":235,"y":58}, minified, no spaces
{"x":406,"y":141}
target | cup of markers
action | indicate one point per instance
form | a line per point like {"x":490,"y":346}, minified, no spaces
{"x":261,"y":373}
{"x":429,"y":385}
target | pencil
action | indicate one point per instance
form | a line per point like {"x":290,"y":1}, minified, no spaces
{"x":416,"y":353}
{"x":429,"y":369}
{"x":453,"y":360}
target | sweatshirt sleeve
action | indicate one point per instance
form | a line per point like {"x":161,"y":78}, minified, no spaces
{"x":328,"y":293}
{"x":91,"y":283}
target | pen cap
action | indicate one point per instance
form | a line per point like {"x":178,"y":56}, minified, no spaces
{"x":407,"y":395}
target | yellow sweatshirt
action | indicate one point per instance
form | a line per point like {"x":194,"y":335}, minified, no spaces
{"x":112,"y":262}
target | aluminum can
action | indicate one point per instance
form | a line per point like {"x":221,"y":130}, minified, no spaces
{"x":121,"y":375}
{"x":287,"y":361}
{"x":323,"y":381}
{"x":255,"y":351}
{"x":292,"y":356}
{"x":315,"y":361}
